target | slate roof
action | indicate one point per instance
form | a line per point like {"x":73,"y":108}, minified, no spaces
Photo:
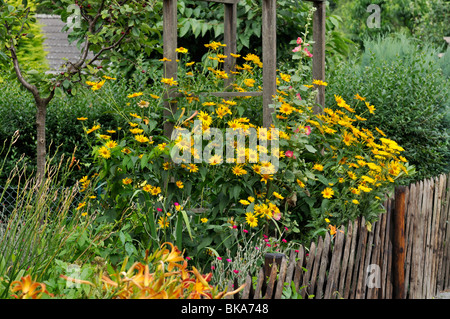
{"x":56,"y":42}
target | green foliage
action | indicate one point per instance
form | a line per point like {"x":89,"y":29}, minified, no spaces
{"x":411,"y":96}
{"x":31,"y":52}
{"x":425,"y":19}
{"x":18,"y":112}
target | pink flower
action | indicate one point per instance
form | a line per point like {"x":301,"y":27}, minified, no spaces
{"x":159,"y":209}
{"x":188,"y":258}
{"x":308,"y":130}
{"x":266,"y":240}
{"x":256,"y":248}
{"x":284,"y":240}
{"x":219,"y":258}
{"x":268,"y":245}
{"x":265,"y":236}
{"x":297,"y":250}
{"x":229,"y":260}
{"x":299,"y":97}
{"x":212,"y":267}
{"x":286,"y":229}
{"x":245,"y":231}
{"x":299,"y":40}
{"x":236,"y":271}
{"x":308,"y":53}
{"x":289,"y":153}
{"x":234,"y":226}
{"x":277,"y":216}
{"x":176,"y":204}
{"x":296,"y":49}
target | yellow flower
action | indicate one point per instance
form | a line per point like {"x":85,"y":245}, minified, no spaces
{"x":370,"y":107}
{"x":127,"y":181}
{"x":154,"y":96}
{"x":251,"y":220}
{"x":134,"y":94}
{"x":169,"y":82}
{"x":108,"y":77}
{"x":81,"y":205}
{"x":277,"y":195}
{"x":94,"y":128}
{"x":190,"y":63}
{"x":249,"y":82}
{"x":327,"y":220}
{"x":300,"y":183}
{"x":327,"y":192}
{"x":215,"y":45}
{"x":141,"y":138}
{"x":193,"y":168}
{"x":355,"y":201}
{"x":155,"y":190}
{"x":104,"y":152}
{"x":215,"y":159}
{"x":163,"y":222}
{"x":320,"y":82}
{"x":204,"y":220}
{"x":244,"y":202}
{"x":147,"y":188}
{"x":286,"y":108}
{"x":285,"y":77}
{"x":143,"y":104}
{"x":318,"y":167}
{"x":82,"y":118}
{"x":164,"y":59}
{"x":179,"y":184}
{"x":182,"y":50}
{"x":111,"y":144}
{"x":162,"y":146}
{"x":136,"y":130}
{"x":238,"y":170}
{"x":358,"y":97}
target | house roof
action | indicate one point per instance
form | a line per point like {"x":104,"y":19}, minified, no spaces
{"x":56,"y":42}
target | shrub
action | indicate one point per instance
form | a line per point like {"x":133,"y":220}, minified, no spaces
{"x":412,"y":98}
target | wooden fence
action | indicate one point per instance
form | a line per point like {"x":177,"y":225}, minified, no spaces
{"x":409,"y":259}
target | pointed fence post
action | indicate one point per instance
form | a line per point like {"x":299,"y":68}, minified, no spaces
{"x":399,"y":243}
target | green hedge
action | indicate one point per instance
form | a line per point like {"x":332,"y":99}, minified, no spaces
{"x":64,"y":131}
{"x":411,"y":95}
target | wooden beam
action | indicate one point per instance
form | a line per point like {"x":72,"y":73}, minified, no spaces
{"x":170,"y":34}
{"x":269,"y":48}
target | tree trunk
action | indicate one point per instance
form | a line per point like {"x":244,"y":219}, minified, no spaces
{"x":41,"y":114}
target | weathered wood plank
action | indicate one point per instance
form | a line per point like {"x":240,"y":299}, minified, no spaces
{"x":259,"y":284}
{"x":363,"y":250}
{"x":247,"y":292}
{"x":309,"y":266}
{"x":281,"y":279}
{"x":271,"y":282}
{"x":410,"y":211}
{"x":351,"y":264}
{"x":298,"y":274}
{"x":441,"y":234}
{"x":323,"y":267}
{"x":332,"y":287}
{"x":428,"y":248}
{"x":291,"y":268}
{"x":230,"y":32}
{"x":399,"y":243}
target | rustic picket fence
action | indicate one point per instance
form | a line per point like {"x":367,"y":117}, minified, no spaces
{"x":405,"y":255}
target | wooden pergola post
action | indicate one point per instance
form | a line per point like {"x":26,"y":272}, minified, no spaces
{"x":170,"y":35}
{"x":319,"y":29}
{"x":269,"y":51}
{"x":230,"y":38}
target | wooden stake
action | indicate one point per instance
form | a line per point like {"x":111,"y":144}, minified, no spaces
{"x":399,"y":243}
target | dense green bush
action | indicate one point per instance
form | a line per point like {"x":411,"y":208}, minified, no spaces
{"x":411,"y":95}
{"x":64,"y":131}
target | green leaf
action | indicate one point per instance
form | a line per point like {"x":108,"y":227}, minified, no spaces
{"x":310,"y":148}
